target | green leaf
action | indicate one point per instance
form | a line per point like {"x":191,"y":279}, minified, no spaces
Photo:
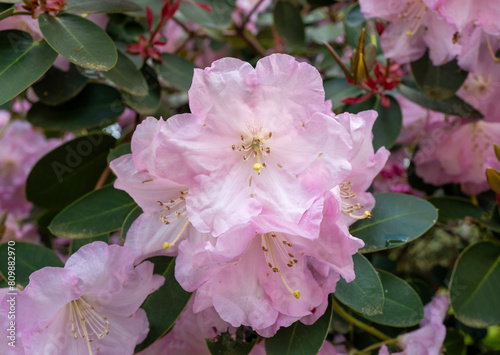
{"x":338,"y":89}
{"x":397,"y":220}
{"x":79,"y":40}
{"x":474,"y":285}
{"x":131,"y":217}
{"x":289,"y":23}
{"x":68,"y":171}
{"x":96,"y":6}
{"x":162,"y":318}
{"x":149,"y":104}
{"x":127,"y":77}
{"x":122,"y":149}
{"x":28,"y":257}
{"x":402,"y":306}
{"x":96,"y":105}
{"x":324,"y":33}
{"x":452,"y":106}
{"x":299,"y":339}
{"x":57,"y":86}
{"x":78,"y":243}
{"x":176,"y":70}
{"x":226,"y":345}
{"x":454,"y":343}
{"x":98,"y":212}
{"x":452,"y":208}
{"x":441,"y":82}
{"x":22,"y":62}
{"x":354,"y":23}
{"x":219,"y":18}
{"x":364,"y":294}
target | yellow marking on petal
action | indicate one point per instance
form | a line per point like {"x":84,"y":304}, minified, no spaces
{"x":167,"y":245}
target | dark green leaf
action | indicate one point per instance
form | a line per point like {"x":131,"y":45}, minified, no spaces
{"x":402,"y":306}
{"x":68,"y":171}
{"x":28,"y":257}
{"x":127,"y":77}
{"x":131,"y":217}
{"x":474,"y":285}
{"x":397,"y":219}
{"x":324,"y":33}
{"x":98,"y":212}
{"x":122,"y":149}
{"x":219,"y":18}
{"x":338,"y":89}
{"x":388,"y":123}
{"x":289,"y":23}
{"x":226,"y":345}
{"x":22,"y":62}
{"x":353,"y":24}
{"x":299,"y":339}
{"x":79,"y":40}
{"x":96,"y":6}
{"x":176,"y":70}
{"x":146,"y":105}
{"x":318,"y":3}
{"x":454,"y":343}
{"x":7,"y":12}
{"x":453,"y":208}
{"x":78,"y":243}
{"x":57,"y":86}
{"x":365,"y":293}
{"x":440,"y":82}
{"x":452,"y":106}
{"x":162,"y":318}
{"x":97,"y":105}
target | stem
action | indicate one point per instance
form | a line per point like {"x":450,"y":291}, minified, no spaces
{"x":247,"y":18}
{"x":252,"y":42}
{"x":102,"y":178}
{"x":347,"y":72}
{"x":377,"y":345}
{"x":367,"y":328}
{"x":5,"y":126}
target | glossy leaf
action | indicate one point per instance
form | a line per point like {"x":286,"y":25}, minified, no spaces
{"x":28,"y":258}
{"x":452,"y":106}
{"x":454,"y":343}
{"x":162,"y":318}
{"x":353,"y":25}
{"x":176,"y":70}
{"x":451,"y":208}
{"x":219,"y":18}
{"x":299,"y":339}
{"x":96,"y":6}
{"x":397,"y":220}
{"x":127,"y":223}
{"x":97,"y":105}
{"x":78,"y":243}
{"x":149,"y":104}
{"x":57,"y":86}
{"x":364,"y":294}
{"x":68,"y":171}
{"x":127,"y":77}
{"x":289,"y":23}
{"x":402,"y":306}
{"x":22,"y":62}
{"x":338,"y":89}
{"x":474,"y":285}
{"x":122,"y":149}
{"x":79,"y":40}
{"x":441,"y":82}
{"x":98,"y":212}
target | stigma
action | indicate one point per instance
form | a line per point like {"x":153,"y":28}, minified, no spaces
{"x":254,"y":146}
{"x":86,"y":323}
{"x":276,"y":246}
{"x":349,"y":208}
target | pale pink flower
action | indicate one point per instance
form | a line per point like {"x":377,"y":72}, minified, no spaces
{"x":21,"y":146}
{"x":429,"y":338}
{"x":164,"y":221}
{"x":365,"y":165}
{"x":89,"y":306}
{"x":189,"y":333}
{"x":414,"y":121}
{"x":250,"y":145}
{"x":268,"y":279}
{"x":414,"y":26}
{"x":18,"y":231}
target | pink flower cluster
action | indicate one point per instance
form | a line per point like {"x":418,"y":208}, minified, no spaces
{"x":253,"y":191}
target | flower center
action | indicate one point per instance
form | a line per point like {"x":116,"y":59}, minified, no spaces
{"x":413,"y":15}
{"x":275,"y":244}
{"x":86,"y":322}
{"x":477,"y":84}
{"x":348,"y":207}
{"x":167,"y":216}
{"x":254,"y":146}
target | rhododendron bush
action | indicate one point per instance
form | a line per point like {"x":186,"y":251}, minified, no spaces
{"x":275,"y":177}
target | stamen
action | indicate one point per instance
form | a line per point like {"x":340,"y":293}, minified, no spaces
{"x":280,"y":244}
{"x":349,"y":208}
{"x":167,"y":245}
{"x":413,"y":15}
{"x":490,"y":49}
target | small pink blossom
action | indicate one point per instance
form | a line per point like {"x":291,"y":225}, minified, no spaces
{"x":89,"y":306}
{"x":428,"y":340}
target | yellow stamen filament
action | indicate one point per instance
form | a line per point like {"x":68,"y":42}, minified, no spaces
{"x":490,"y":49}
{"x":349,"y":208}
{"x":414,"y":15}
{"x":167,"y":245}
{"x":267,"y":246}
{"x":87,"y":322}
